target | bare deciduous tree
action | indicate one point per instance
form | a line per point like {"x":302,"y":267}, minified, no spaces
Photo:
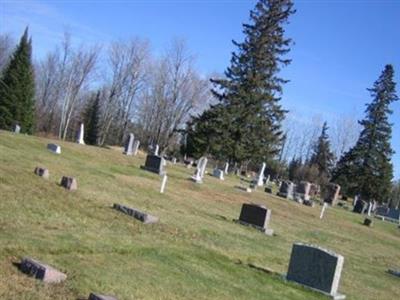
{"x":6,"y":47}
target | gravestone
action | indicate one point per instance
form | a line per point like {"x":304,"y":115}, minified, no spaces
{"x":163,"y":183}
{"x":93,"y":296}
{"x":154,"y":164}
{"x":226,"y":168}
{"x":69,"y":183}
{"x":42,"y":172}
{"x":394,"y":272}
{"x":129,"y":144}
{"x":173,"y":160}
{"x":203,"y":166}
{"x":200,"y":170}
{"x":303,"y":191}
{"x":81,"y":134}
{"x":17,"y":129}
{"x":54,"y":148}
{"x":286,"y":189}
{"x":257,"y":216}
{"x":260,"y":177}
{"x":359,"y":206}
{"x":317,"y":268}
{"x":331,"y":193}
{"x":268,"y":190}
{"x":314,"y":190}
{"x":218,"y":173}
{"x":136,"y":145}
{"x":156,"y":150}
{"x":368,"y":222}
{"x":41,"y":271}
{"x":137,"y":214}
{"x":324,"y":207}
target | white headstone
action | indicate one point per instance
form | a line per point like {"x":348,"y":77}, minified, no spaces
{"x":203,"y":167}
{"x":163,"y":183}
{"x":173,"y":160}
{"x":136,"y":144}
{"x":81,"y":134}
{"x":128,"y":145}
{"x":324,"y":206}
{"x":54,"y":148}
{"x":226,"y":168}
{"x":156,"y":150}
{"x":260,"y":178}
{"x":218,"y":173}
{"x":17,"y":129}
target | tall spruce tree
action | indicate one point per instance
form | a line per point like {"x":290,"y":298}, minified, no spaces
{"x":322,"y":156}
{"x":366,"y":168}
{"x":92,"y":120}
{"x":245,"y":125}
{"x":17,"y":88}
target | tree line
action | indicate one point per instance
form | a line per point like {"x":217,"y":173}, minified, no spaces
{"x":237,"y":117}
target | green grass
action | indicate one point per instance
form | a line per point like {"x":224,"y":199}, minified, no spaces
{"x":194,"y":252}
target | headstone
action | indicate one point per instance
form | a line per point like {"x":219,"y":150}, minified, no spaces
{"x":173,"y":160}
{"x":268,"y":190}
{"x":17,"y":129}
{"x":218,"y":173}
{"x":331,"y":193}
{"x":136,"y":145}
{"x":369,"y":208}
{"x":257,"y":216}
{"x":81,"y":134}
{"x":42,"y":172}
{"x":128,"y":150}
{"x":137,"y":214}
{"x":41,"y":271}
{"x":260,"y":177}
{"x":200,"y":170}
{"x":156,"y":150}
{"x":314,"y":190}
{"x":394,"y":272}
{"x":93,"y":296}
{"x":226,"y":168}
{"x":286,"y":189}
{"x":54,"y":148}
{"x":154,"y":164}
{"x":163,"y":183}
{"x":303,"y":190}
{"x":203,"y":167}
{"x":324,"y":206}
{"x":69,"y":183}
{"x":317,"y":268}
{"x":368,"y":222}
{"x":359,"y":206}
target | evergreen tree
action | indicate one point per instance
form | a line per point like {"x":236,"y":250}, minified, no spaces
{"x":323,"y":157}
{"x":247,"y":119}
{"x":17,"y":88}
{"x":293,"y":169}
{"x":92,"y":120}
{"x":366,"y":168}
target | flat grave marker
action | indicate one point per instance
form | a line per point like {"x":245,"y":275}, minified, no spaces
{"x":135,"y":213}
{"x":41,"y":271}
{"x":54,"y":148}
{"x":69,"y":183}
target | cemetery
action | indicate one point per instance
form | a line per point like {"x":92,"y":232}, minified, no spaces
{"x":96,"y":241}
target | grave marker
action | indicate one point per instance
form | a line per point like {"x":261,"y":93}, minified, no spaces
{"x":331,"y":193}
{"x":154,"y":164}
{"x":156,"y":150}
{"x":128,"y":145}
{"x":317,"y":268}
{"x":260,"y":177}
{"x":93,"y":296}
{"x":41,"y":271}
{"x":324,"y":206}
{"x":257,"y":216}
{"x":54,"y":148}
{"x":303,"y":191}
{"x":218,"y":173}
{"x":163,"y":183}
{"x":42,"y":172}
{"x":17,"y":129}
{"x":137,"y":214}
{"x":136,"y":145}
{"x":226,"y":168}
{"x":69,"y":183}
{"x":286,"y":189}
{"x":81,"y":134}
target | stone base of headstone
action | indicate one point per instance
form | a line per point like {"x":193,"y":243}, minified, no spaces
{"x":285,"y":195}
{"x":137,"y":214}
{"x":41,"y":271}
{"x":42,"y":172}
{"x":266,"y":231}
{"x":368,"y":222}
{"x":93,"y":296}
{"x":196,"y":179}
{"x":256,"y":216}
{"x":69,"y":183}
{"x":54,"y":148}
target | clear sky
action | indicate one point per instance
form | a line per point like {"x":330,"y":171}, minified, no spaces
{"x":340,"y":47}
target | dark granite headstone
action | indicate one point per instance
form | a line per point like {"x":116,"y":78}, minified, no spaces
{"x":154,"y":164}
{"x":93,"y":296}
{"x":368,"y":222}
{"x":41,"y":271}
{"x":69,"y":183}
{"x":331,"y":193}
{"x":359,"y":206}
{"x":316,"y":268}
{"x":257,"y":216}
{"x":54,"y":148}
{"x":42,"y":172}
{"x":286,"y":189}
{"x":137,"y":214}
{"x":268,"y":190}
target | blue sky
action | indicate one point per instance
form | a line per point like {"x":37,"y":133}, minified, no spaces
{"x":340,"y":46}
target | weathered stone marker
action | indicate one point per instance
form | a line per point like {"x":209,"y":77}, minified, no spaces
{"x":368,"y":222}
{"x":324,"y":206}
{"x":331,"y":194}
{"x":54,"y":148}
{"x":129,"y":144}
{"x":286,"y":189}
{"x":200,"y":170}
{"x":156,"y":150}
{"x":93,"y":296}
{"x":303,"y":191}
{"x":154,"y":164}
{"x":69,"y":183}
{"x":163,"y":183}
{"x":317,"y":268}
{"x":42,"y":172}
{"x":81,"y":134}
{"x":394,"y":272}
{"x":17,"y":129}
{"x":257,"y":216}
{"x":137,"y":214}
{"x":359,"y":206}
{"x":226,"y":168}
{"x":136,"y":145}
{"x":260,"y":177}
{"x":41,"y":271}
{"x":218,"y":173}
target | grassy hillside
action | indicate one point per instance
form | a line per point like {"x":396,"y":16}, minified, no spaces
{"x":194,"y":252}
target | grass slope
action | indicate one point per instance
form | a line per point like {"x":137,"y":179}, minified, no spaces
{"x":194,"y":252}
